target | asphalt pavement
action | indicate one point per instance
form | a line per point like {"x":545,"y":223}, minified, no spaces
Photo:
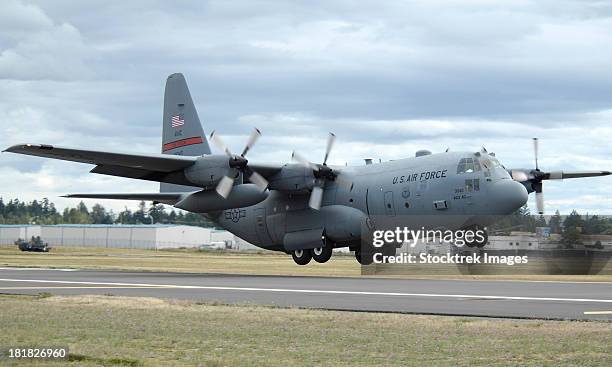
{"x":489,"y":298}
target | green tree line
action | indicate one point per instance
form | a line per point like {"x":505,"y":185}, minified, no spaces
{"x":44,"y":212}
{"x":573,"y":224}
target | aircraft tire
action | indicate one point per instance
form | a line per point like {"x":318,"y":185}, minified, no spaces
{"x":363,"y":258}
{"x":389,"y":250}
{"x":322,"y":254}
{"x":482,"y":243}
{"x":302,"y":257}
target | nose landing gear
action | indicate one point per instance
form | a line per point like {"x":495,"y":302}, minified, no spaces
{"x":480,"y":239}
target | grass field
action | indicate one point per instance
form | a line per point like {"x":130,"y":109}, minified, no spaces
{"x":108,"y":330}
{"x":193,"y":261}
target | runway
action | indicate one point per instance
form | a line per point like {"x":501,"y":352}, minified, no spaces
{"x":514,"y":299}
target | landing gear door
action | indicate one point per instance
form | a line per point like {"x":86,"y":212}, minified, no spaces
{"x":260,"y":226}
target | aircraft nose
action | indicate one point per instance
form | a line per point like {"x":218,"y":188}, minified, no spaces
{"x":508,"y":196}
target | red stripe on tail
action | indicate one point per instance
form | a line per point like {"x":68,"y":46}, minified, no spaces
{"x":182,"y":143}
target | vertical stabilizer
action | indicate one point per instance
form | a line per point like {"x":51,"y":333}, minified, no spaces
{"x":182,"y":132}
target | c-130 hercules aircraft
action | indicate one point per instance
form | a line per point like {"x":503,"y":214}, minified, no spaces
{"x":308,"y":209}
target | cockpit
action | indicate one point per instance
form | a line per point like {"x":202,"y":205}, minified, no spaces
{"x":482,"y":162}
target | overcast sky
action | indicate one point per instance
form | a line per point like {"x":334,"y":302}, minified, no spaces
{"x":388,"y":80}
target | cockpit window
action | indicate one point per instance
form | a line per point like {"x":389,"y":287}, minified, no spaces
{"x":468,"y":165}
{"x":490,"y":162}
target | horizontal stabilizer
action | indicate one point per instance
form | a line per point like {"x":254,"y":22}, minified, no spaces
{"x":169,"y":198}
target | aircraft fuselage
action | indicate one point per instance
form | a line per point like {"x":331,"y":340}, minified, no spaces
{"x":447,"y":190}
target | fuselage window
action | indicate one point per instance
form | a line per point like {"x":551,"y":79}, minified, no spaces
{"x":468,"y":185}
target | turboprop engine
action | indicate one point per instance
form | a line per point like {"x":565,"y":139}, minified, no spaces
{"x":208,"y":170}
{"x":209,"y":201}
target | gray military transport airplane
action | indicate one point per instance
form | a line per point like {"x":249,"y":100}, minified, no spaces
{"x":304,"y":208}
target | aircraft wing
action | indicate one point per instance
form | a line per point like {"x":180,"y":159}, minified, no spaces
{"x":151,"y":162}
{"x":170,"y":198}
{"x":152,"y":167}
{"x":267,"y":170}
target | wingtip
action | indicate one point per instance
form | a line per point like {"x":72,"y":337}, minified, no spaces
{"x":15,"y":147}
{"x":21,"y":148}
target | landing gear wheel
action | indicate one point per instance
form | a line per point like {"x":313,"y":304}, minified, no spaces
{"x":485,"y":240}
{"x":301,"y":257}
{"x":363,"y":258}
{"x":322,"y":254}
{"x":389,"y":250}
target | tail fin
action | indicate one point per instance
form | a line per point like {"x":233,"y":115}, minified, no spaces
{"x":182,"y":132}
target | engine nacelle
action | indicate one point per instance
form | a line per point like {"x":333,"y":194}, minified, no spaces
{"x":208,"y":170}
{"x":292,"y":177}
{"x":209,"y":201}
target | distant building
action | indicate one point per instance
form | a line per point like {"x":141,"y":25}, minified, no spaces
{"x":515,"y":241}
{"x":598,"y":241}
{"x":141,"y":236}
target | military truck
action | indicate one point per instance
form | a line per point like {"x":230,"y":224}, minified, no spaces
{"x":35,"y":244}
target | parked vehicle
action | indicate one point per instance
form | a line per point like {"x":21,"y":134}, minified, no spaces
{"x":35,"y":244}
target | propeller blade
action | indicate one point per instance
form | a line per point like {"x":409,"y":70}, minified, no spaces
{"x":562,"y":175}
{"x":535,"y":151}
{"x":224,"y":187}
{"x":518,"y":175}
{"x":330,"y":143}
{"x":301,"y":159}
{"x":540,"y":202}
{"x":259,"y":180}
{"x":316,"y":197}
{"x":218,"y":142}
{"x":255,"y":134}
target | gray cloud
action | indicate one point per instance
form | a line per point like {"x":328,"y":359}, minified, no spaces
{"x":388,"y":80}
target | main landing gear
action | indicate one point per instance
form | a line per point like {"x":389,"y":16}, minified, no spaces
{"x":301,"y":257}
{"x":322,"y":254}
{"x":319,"y":254}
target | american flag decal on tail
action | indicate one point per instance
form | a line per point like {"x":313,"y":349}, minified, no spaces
{"x":177,"y":120}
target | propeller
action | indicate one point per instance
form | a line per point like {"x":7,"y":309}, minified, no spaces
{"x":535,"y":177}
{"x":237,"y":163}
{"x":532,"y":179}
{"x":535,"y":153}
{"x":322,"y":173}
